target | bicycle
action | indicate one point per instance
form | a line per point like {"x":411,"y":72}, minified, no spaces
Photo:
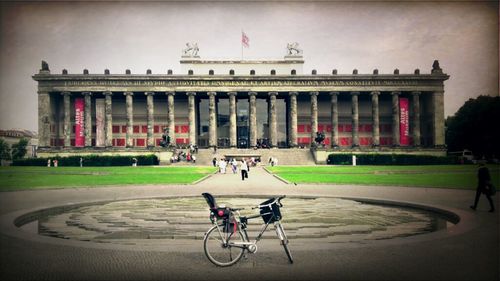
{"x":229,"y":234}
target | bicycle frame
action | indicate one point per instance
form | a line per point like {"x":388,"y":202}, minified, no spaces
{"x":232,"y":231}
{"x":242,"y":226}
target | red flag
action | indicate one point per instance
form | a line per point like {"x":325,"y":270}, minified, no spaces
{"x":244,"y":40}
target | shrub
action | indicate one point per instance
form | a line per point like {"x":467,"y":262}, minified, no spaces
{"x":390,"y":159}
{"x":91,"y":160}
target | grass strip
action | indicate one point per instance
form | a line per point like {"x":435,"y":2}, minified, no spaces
{"x":21,"y":178}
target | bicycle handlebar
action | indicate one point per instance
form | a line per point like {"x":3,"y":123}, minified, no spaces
{"x":276,"y":199}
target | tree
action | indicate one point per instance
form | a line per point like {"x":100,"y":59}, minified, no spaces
{"x":19,"y":149}
{"x":4,"y":150}
{"x":475,"y":127}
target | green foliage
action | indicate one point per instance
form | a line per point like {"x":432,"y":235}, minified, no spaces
{"x":4,"y":150}
{"x":390,"y":159}
{"x":475,"y":127}
{"x":91,"y":161}
{"x":19,"y":149}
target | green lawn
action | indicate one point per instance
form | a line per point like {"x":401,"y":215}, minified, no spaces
{"x":19,"y":178}
{"x":449,"y":176}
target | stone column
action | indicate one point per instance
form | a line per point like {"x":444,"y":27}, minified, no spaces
{"x":416,"y":118}
{"x":171,"y":118}
{"x":192,"y":117}
{"x":44,"y":114}
{"x":273,"y":120}
{"x":292,"y":137}
{"x":355,"y":119}
{"x":395,"y":118}
{"x":253,"y":118}
{"x":212,"y":124}
{"x":335,"y":119}
{"x":232,"y":119}
{"x":88,"y":118}
{"x":129,"y":141}
{"x":109,"y":119}
{"x":376,"y":120}
{"x":314,"y":115}
{"x":151,"y":121}
{"x":67,"y":119}
{"x":438,"y":118}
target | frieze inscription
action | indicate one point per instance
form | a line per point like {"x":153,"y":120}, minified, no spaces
{"x":208,"y":83}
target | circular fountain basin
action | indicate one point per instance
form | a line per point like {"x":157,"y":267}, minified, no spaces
{"x":150,"y":221}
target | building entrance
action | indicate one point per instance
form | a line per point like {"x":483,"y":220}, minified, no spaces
{"x":242,"y":127}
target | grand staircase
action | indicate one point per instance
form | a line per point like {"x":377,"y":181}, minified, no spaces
{"x":288,"y":156}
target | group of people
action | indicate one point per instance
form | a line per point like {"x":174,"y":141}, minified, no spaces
{"x":179,"y":156}
{"x":243,"y":165}
{"x":55,"y":162}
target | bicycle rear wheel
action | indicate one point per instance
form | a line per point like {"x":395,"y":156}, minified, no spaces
{"x":284,"y":240}
{"x":219,"y":253}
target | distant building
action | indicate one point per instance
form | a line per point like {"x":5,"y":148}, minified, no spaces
{"x":241,"y":104}
{"x":13,"y":136}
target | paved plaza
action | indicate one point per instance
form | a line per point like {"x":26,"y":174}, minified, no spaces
{"x":323,"y":250}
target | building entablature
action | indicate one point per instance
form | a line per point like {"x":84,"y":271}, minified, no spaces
{"x":281,"y":83}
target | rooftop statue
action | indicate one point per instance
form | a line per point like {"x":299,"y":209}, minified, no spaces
{"x":293,"y":49}
{"x":191,"y":50}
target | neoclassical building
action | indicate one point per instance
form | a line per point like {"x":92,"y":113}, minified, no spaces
{"x":241,"y":104}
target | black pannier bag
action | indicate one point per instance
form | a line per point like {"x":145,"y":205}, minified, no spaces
{"x":229,"y":225}
{"x":270,"y":213}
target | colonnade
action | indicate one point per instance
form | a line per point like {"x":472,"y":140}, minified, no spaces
{"x":272,"y":117}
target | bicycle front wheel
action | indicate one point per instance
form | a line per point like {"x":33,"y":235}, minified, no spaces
{"x":284,"y":241}
{"x":220,"y":253}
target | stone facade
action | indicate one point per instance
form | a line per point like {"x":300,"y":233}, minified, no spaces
{"x":356,"y":112}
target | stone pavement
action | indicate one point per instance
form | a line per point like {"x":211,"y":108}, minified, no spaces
{"x":466,"y":251}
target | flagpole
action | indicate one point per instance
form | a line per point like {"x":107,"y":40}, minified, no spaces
{"x":241,"y":44}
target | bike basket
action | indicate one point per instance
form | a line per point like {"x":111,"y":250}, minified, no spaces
{"x":270,"y":212}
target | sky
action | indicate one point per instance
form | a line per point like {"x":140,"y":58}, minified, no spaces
{"x":138,"y":36}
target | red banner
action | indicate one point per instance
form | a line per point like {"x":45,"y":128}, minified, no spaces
{"x":404,"y":127}
{"x":79,"y":122}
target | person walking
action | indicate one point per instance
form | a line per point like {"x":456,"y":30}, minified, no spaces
{"x":483,"y":182}
{"x":234,"y":166}
{"x":244,"y":169}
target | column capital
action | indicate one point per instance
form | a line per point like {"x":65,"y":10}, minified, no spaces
{"x":128,"y":94}
{"x":375,"y":93}
{"x":191,"y":94}
{"x":107,"y":93}
{"x":314,"y":93}
{"x":416,"y":93}
{"x":334,"y":93}
{"x":293,"y":93}
{"x":212,"y":94}
{"x":170,"y":93}
{"x":149,"y":93}
{"x":86,"y":93}
{"x":273,"y":94}
{"x":395,"y":93}
{"x":232,"y":94}
{"x":65,"y":93}
{"x":252,"y":94}
{"x":439,"y":92}
{"x":354,"y":93}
